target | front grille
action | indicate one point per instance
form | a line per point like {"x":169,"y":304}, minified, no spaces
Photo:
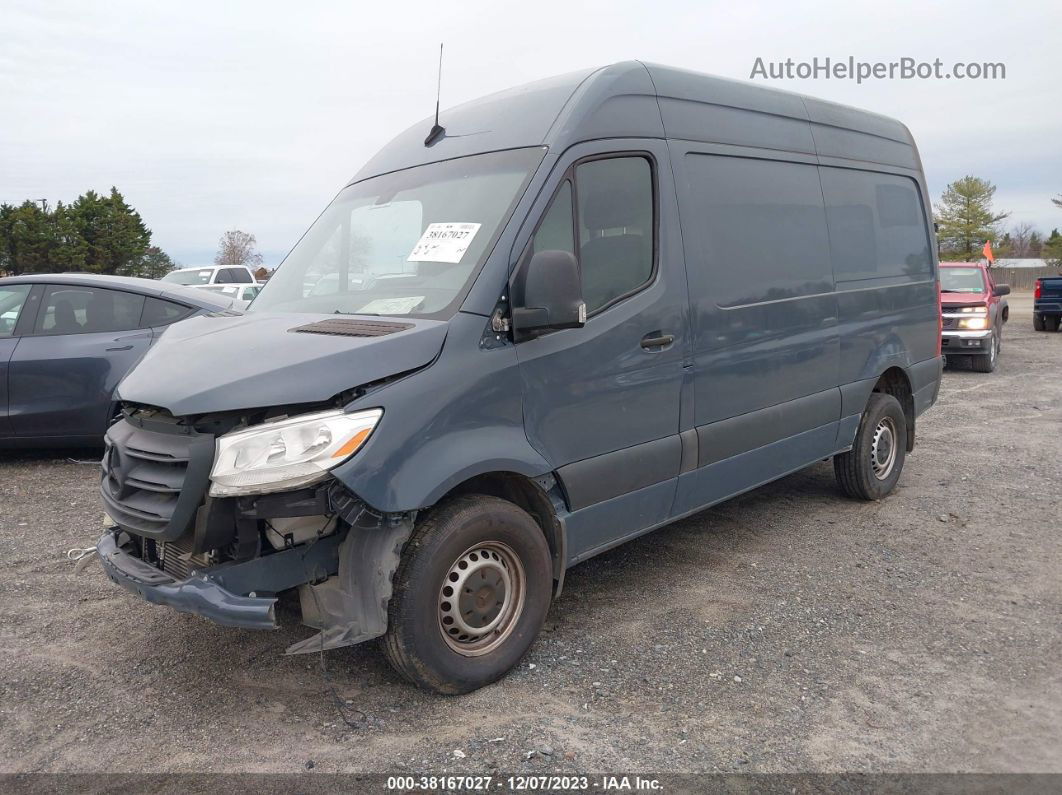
{"x":155,"y":475}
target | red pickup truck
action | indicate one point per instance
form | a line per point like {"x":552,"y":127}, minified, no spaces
{"x":973,"y":313}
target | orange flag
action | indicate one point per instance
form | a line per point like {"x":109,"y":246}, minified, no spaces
{"x":986,"y":252}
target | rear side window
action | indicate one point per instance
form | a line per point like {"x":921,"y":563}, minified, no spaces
{"x":159,"y":312}
{"x":71,"y":309}
{"x":233,"y":276}
{"x":877,"y":225}
{"x":615,"y":213}
{"x":762,"y":227}
{"x":12,"y":298}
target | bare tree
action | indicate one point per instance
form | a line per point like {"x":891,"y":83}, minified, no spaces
{"x":1021,"y":236}
{"x":238,"y":248}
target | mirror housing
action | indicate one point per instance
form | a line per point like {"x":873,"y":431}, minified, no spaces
{"x":1001,"y":289}
{"x":547,"y":293}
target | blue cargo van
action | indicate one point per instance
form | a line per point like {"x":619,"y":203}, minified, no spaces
{"x":571,"y":313}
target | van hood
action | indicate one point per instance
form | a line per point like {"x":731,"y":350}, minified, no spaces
{"x":224,"y":362}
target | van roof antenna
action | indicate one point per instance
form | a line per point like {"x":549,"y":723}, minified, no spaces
{"x":437,"y":130}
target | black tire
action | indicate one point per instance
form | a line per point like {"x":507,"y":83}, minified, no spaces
{"x":1038,"y":322}
{"x":986,"y":362}
{"x":460,"y":531}
{"x":856,"y":470}
{"x":1051,"y":323}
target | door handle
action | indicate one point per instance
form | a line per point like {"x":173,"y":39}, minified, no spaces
{"x":121,"y":348}
{"x":654,"y":339}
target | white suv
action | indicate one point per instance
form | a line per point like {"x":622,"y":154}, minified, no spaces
{"x":211,"y":274}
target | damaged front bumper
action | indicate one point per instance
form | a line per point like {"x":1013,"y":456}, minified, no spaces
{"x":234,"y":595}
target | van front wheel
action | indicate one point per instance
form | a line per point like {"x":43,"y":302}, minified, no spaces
{"x":470,"y":595}
{"x":869,"y":470}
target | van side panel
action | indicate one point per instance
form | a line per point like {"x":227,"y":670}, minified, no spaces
{"x":765,"y":339}
{"x":724,"y":479}
{"x":761,"y":289}
{"x":884,"y":268}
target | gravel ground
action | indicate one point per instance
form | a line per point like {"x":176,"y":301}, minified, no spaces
{"x":786,"y":630}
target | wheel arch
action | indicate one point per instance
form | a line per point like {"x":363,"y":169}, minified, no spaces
{"x":538,"y":496}
{"x":895,"y":381}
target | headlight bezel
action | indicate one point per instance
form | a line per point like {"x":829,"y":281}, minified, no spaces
{"x":288,"y":453}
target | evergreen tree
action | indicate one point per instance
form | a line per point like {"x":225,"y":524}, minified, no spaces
{"x":1053,"y":249}
{"x":26,"y":238}
{"x":966,"y":218}
{"x":70,"y":249}
{"x":154,"y":264}
{"x":98,"y":234}
{"x":115,"y":235}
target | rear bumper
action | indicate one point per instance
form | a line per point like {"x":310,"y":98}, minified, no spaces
{"x":1050,"y":308}
{"x":966,"y":342}
{"x":196,"y":595}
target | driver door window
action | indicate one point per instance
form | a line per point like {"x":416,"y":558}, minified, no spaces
{"x":614,"y":199}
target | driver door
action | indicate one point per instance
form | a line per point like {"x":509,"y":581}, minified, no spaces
{"x":602,"y":402}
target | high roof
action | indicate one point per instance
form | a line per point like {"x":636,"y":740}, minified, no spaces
{"x":636,"y":100}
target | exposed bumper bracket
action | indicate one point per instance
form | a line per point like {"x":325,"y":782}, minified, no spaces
{"x":197,"y":594}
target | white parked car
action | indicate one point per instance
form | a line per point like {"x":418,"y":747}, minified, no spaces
{"x":211,"y":274}
{"x":239,"y":292}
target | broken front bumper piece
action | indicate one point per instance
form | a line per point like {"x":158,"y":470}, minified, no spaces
{"x":344,"y":581}
{"x":226,"y":594}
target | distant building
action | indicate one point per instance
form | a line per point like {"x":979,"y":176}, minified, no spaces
{"x":263,"y":274}
{"x":1024,"y":262}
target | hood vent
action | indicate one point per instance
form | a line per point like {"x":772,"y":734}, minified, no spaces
{"x":348,"y":327}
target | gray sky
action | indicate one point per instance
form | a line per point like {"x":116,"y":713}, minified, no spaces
{"x":215,"y":115}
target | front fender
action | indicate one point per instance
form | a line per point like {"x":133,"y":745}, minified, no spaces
{"x":458,"y":418}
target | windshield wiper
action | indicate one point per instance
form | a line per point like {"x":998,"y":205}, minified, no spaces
{"x":341,"y":312}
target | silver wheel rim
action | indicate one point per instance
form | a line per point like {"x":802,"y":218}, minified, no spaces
{"x":883,"y":448}
{"x":481,"y":598}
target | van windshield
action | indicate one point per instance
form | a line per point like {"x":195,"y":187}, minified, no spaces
{"x":406,"y":243}
{"x":961,"y":280}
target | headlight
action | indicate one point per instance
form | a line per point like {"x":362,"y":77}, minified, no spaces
{"x":287,"y":454}
{"x":973,"y":322}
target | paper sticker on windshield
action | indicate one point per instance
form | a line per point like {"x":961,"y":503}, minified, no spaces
{"x":392,"y":306}
{"x":444,"y":243}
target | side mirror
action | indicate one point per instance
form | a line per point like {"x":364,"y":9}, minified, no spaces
{"x":547,"y":293}
{"x":1001,"y":289}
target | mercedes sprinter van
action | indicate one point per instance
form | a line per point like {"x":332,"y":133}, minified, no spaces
{"x":570,"y":313}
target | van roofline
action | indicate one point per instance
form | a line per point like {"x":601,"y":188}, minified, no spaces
{"x":632,"y":99}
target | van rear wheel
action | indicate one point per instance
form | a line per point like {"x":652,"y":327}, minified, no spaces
{"x":470,"y":595}
{"x":869,"y":470}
